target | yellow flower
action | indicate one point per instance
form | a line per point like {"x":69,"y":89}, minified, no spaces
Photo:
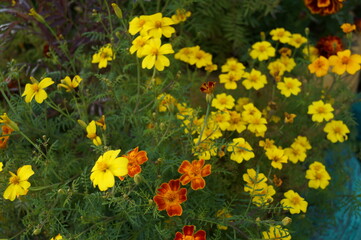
{"x":289,"y":63}
{"x":277,"y":232}
{"x":311,"y":53}
{"x":289,"y":86}
{"x":289,"y":117}
{"x":280,"y":34}
{"x":200,"y":58}
{"x":166,"y":102}
{"x":184,"y":111}
{"x":294,"y":202}
{"x":1,"y":166}
{"x":211,"y":67}
{"x":303,"y":141}
{"x":241,"y":150}
{"x":249,"y":110}
{"x":91,"y":130}
{"x":137,"y":24}
{"x":223,"y":101}
{"x":318,"y":178}
{"x":180,"y":16}
{"x":297,"y":40}
{"x":106,"y":168}
{"x":221,"y":119}
{"x":257,"y":125}
{"x":104,"y":55}
{"x":336,"y":131}
{"x":8,"y":122}
{"x":262,"y":51}
{"x":267,"y":144}
{"x":205,"y":150}
{"x":101,"y":123}
{"x":241,"y":102}
{"x":157,"y":25}
{"x":232,"y":65}
{"x":57,"y":237}
{"x":277,"y":156}
{"x":230,"y":80}
{"x":296,"y":153}
{"x":264,"y":196}
{"x":19,"y":184}
{"x":37,"y":90}
{"x":319,"y":66}
{"x":185,"y":54}
{"x":255,"y":79}
{"x":345,"y":62}
{"x":138,"y":45}
{"x":347,"y":27}
{"x":69,"y":84}
{"x":255,"y":181}
{"x":276,"y":69}
{"x":236,"y":122}
{"x":154,"y":53}
{"x":320,"y":111}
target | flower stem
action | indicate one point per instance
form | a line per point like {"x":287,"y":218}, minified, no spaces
{"x":204,"y":123}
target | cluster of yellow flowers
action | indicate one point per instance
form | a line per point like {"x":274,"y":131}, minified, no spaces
{"x":196,"y":56}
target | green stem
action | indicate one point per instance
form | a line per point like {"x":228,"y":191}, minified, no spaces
{"x":204,"y":123}
{"x":32,"y":143}
{"x":8,"y":100}
{"x":56,"y":108}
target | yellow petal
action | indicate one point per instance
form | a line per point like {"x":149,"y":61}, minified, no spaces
{"x":40,"y":96}
{"x":25,"y":172}
{"x":46,"y":82}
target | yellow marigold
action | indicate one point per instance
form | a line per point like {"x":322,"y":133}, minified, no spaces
{"x":255,"y":79}
{"x":264,"y":197}
{"x":318,"y":178}
{"x":262,"y":51}
{"x":235,"y":122}
{"x":267,"y":143}
{"x":232,"y":65}
{"x":185,"y":54}
{"x":156,"y":25}
{"x":296,"y":153}
{"x":277,"y":232}
{"x":69,"y":84}
{"x":347,"y":27}
{"x":57,"y":237}
{"x":104,"y":55}
{"x":257,"y":125}
{"x":336,"y":131}
{"x":249,"y":110}
{"x":230,"y":79}
{"x":241,"y":150}
{"x":138,"y":45}
{"x":276,"y":69}
{"x":293,"y":202}
{"x":19,"y":183}
{"x":106,"y":168}
{"x":154,"y":53}
{"x":280,"y":34}
{"x":91,"y":130}
{"x":136,"y":24}
{"x":345,"y":62}
{"x":221,"y":118}
{"x":181,"y":15}
{"x":320,"y":111}
{"x":288,"y":62}
{"x":289,"y":86}
{"x":200,"y":58}
{"x":297,"y":40}
{"x":166,"y":102}
{"x":303,"y":141}
{"x":223,"y":101}
{"x":277,"y":156}
{"x":211,"y":67}
{"x":205,"y":149}
{"x":289,"y":117}
{"x":241,"y":102}
{"x":36,"y":89}
{"x":184,"y":111}
{"x":319,"y":66}
{"x":255,"y":181}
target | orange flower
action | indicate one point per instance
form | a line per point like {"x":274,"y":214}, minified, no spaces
{"x":4,"y":139}
{"x":208,"y":87}
{"x":135,"y":159}
{"x":194,"y":173}
{"x":330,"y":45}
{"x":347,"y":27}
{"x":324,"y":7}
{"x":319,"y":66}
{"x":188,"y":233}
{"x":169,"y":198}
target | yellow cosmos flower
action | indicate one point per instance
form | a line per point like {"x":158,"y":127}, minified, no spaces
{"x":289,"y":86}
{"x":318,"y":178}
{"x":319,"y":66}
{"x":181,"y":15}
{"x":154,"y":53}
{"x":294,"y":202}
{"x":280,"y":34}
{"x":296,"y":153}
{"x":345,"y":62}
{"x":241,"y":150}
{"x":297,"y":40}
{"x":104,"y":55}
{"x":36,"y":89}
{"x":320,"y":111}
{"x":8,"y":122}
{"x":137,"y":24}
{"x":336,"y":131}
{"x":347,"y":27}
{"x":223,"y":101}
{"x":230,"y":80}
{"x":277,"y":156}
{"x":156,"y":25}
{"x":255,"y":79}
{"x":106,"y":168}
{"x":69,"y":84}
{"x":19,"y":184}
{"x":277,"y":232}
{"x":91,"y":129}
{"x":138,"y":45}
{"x":254,"y":181}
{"x":232,"y":65}
{"x":262,"y":51}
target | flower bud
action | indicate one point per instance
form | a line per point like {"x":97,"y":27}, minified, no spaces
{"x":117,"y":10}
{"x":36,"y":15}
{"x":286,"y":221}
{"x":138,"y":178}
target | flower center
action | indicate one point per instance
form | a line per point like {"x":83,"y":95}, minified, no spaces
{"x":289,"y":85}
{"x":318,"y":176}
{"x":158,"y":24}
{"x":296,"y":200}
{"x":172,"y":197}
{"x":223,"y":101}
{"x":102,"y":166}
{"x":262,"y":48}
{"x":337,"y":130}
{"x":35,"y":87}
{"x":345,"y":60}
{"x":154,"y":51}
{"x":321,"y":110}
{"x":14,"y":180}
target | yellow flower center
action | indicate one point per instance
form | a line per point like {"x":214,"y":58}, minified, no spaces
{"x":296,"y":200}
{"x":223,"y":101}
{"x":289,"y":85}
{"x":188,"y":237}
{"x":253,"y":78}
{"x":102,"y":166}
{"x":199,"y":55}
{"x":262,"y":48}
{"x":154,"y":51}
{"x":15,"y":180}
{"x":35,"y":87}
{"x":171,"y":197}
{"x":318,"y":176}
{"x":337,"y":130}
{"x":158,"y":24}
{"x":233,"y":67}
{"x":321,"y":109}
{"x":104,"y":55}
{"x":345,"y":60}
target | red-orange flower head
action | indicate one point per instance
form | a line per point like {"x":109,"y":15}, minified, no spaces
{"x":208,"y":87}
{"x":194,"y":173}
{"x":330,"y":45}
{"x":6,"y":131}
{"x":324,"y":7}
{"x":135,"y":159}
{"x":188,"y":234}
{"x":169,"y":198}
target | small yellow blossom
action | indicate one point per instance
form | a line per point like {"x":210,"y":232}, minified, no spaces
{"x":223,"y":101}
{"x":262,"y":51}
{"x":289,"y":63}
{"x":232,"y":65}
{"x":241,"y":150}
{"x":289,"y":86}
{"x":320,"y":111}
{"x":36,"y":89}
{"x":221,"y":119}
{"x":154,"y":53}
{"x":277,"y":232}
{"x":280,"y":34}
{"x":297,"y":40}
{"x":276,"y":69}
{"x":347,"y":27}
{"x":138,"y":45}
{"x":230,"y":80}
{"x":319,"y":66}
{"x":166,"y":102}
{"x":57,"y":237}
{"x":101,"y":122}
{"x":267,"y":144}
{"x":185,"y":54}
{"x":156,"y":25}
{"x":241,"y":102}
{"x":296,"y":153}
{"x":181,"y":15}
{"x":257,"y":125}
{"x":205,"y":149}
{"x":91,"y":130}
{"x":289,"y":117}
{"x":303,"y":141}
{"x":69,"y":84}
{"x":19,"y":183}
{"x":200,"y":58}
{"x":137,"y":24}
{"x":336,"y":131}
{"x":255,"y":181}
{"x":255,"y":79}
{"x":264,"y":197}
{"x":104,"y":55}
{"x":211,"y":67}
{"x":293,"y":202}
{"x":235,"y":122}
{"x":311,"y":53}
{"x":345,"y":62}
{"x":318,"y":178}
{"x":277,"y":156}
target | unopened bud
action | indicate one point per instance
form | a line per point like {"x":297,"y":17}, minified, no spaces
{"x":307,"y":31}
{"x":82,"y":123}
{"x":117,"y":10}
{"x":138,"y":178}
{"x":36,"y":15}
{"x":263,"y":36}
{"x":37,"y":230}
{"x":286,"y":221}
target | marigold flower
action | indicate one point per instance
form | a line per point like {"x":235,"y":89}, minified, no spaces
{"x":8,"y":122}
{"x":277,"y":232}
{"x":289,"y":86}
{"x":223,"y":101}
{"x":295,"y":153}
{"x":101,"y":122}
{"x":205,"y":149}
{"x":69,"y":84}
{"x":324,"y":7}
{"x":208,"y":87}
{"x":330,"y":45}
{"x":284,"y":51}
{"x":233,"y":66}
{"x":138,"y":45}
{"x":297,"y":40}
{"x":91,"y":130}
{"x":6,"y":131}
{"x":241,"y":102}
{"x":185,"y":54}
{"x":221,"y":119}
{"x":36,"y":89}
{"x":267,"y":143}
{"x":170,"y":196}
{"x":303,"y":141}
{"x":235,"y":122}
{"x":277,"y":156}
{"x":255,"y":181}
{"x":137,"y":24}
{"x":230,"y":80}
{"x":106,"y":168}
{"x":276,"y":69}
{"x":255,"y":79}
{"x":188,"y":233}
{"x":181,"y":15}
{"x":211,"y":67}
{"x":156,"y":25}
{"x":57,"y":237}
{"x":347,"y":27}
{"x":264,"y":197}
{"x":200,"y":58}
{"x":262,"y":51}
{"x":345,"y":62}
{"x":319,"y":66}
{"x":241,"y":150}
{"x":289,"y":63}
{"x":250,"y":111}
{"x":19,"y":183}
{"x":154,"y":53}
{"x":104,"y":55}
{"x":166,"y":102}
{"x":318,"y":178}
{"x":280,"y":34}
{"x":135,"y":159}
{"x":257,"y":125}
{"x":320,"y":111}
{"x":293,"y":202}
{"x":194,"y":173}
{"x":336,"y":131}
{"x":289,"y":117}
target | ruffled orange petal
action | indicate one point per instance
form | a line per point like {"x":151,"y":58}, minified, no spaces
{"x":185,"y":179}
{"x":174,"y":184}
{"x":206,"y":170}
{"x":198,"y":183}
{"x":200,"y":235}
{"x":160,"y":202}
{"x":182,"y":195}
{"x":185,"y":167}
{"x":188,"y":230}
{"x":178,"y":236}
{"x":133,"y":169}
{"x":198,"y":164}
{"x":164,"y":188}
{"x":174,"y":210}
{"x":141,"y":157}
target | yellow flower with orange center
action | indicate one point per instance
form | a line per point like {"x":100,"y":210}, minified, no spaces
{"x":36,"y":90}
{"x":241,"y":150}
{"x":223,"y":101}
{"x":345,"y":62}
{"x":289,"y":86}
{"x":154,"y":54}
{"x":255,"y":79}
{"x":138,"y":45}
{"x":347,"y":27}
{"x":318,"y":176}
{"x":319,"y":66}
{"x":104,"y":55}
{"x":230,"y":79}
{"x":232,"y":65}
{"x":69,"y":84}
{"x":194,"y":173}
{"x":19,"y":183}
{"x":336,"y":131}
{"x":320,"y":111}
{"x":262,"y":51}
{"x":255,"y":181}
{"x":295,"y":153}
{"x":200,"y":58}
{"x":136,"y":24}
{"x":280,"y":34}
{"x":156,"y":25}
{"x":293,"y":202}
{"x":277,"y":156}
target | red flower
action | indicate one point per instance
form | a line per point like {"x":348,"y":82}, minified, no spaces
{"x":194,"y":173}
{"x":324,"y":7}
{"x":169,"y":198}
{"x":135,"y":159}
{"x":208,"y":87}
{"x":188,"y":234}
{"x":328,"y":46}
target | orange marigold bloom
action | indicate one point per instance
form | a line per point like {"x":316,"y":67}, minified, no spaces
{"x":347,"y":27}
{"x":4,"y":139}
{"x":324,"y":7}
{"x":208,"y":87}
{"x":194,"y":173}
{"x":135,"y":159}
{"x":188,"y":234}
{"x":329,"y":45}
{"x":170,"y":196}
{"x":319,"y":66}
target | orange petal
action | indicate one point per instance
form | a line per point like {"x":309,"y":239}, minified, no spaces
{"x":198,"y":183}
{"x":182,"y":195}
{"x":185,"y":179}
{"x":200,"y":235}
{"x":178,"y":236}
{"x":175,"y":210}
{"x":185,"y":167}
{"x":160,"y":202}
{"x":206,"y":170}
{"x":174,"y":185}
{"x":141,"y":157}
{"x":164,"y":188}
{"x":188,"y":230}
{"x":133,"y":169}
{"x":198,"y":164}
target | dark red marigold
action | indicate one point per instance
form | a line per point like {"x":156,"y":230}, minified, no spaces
{"x":329,"y":45}
{"x":188,"y":233}
{"x":324,"y":7}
